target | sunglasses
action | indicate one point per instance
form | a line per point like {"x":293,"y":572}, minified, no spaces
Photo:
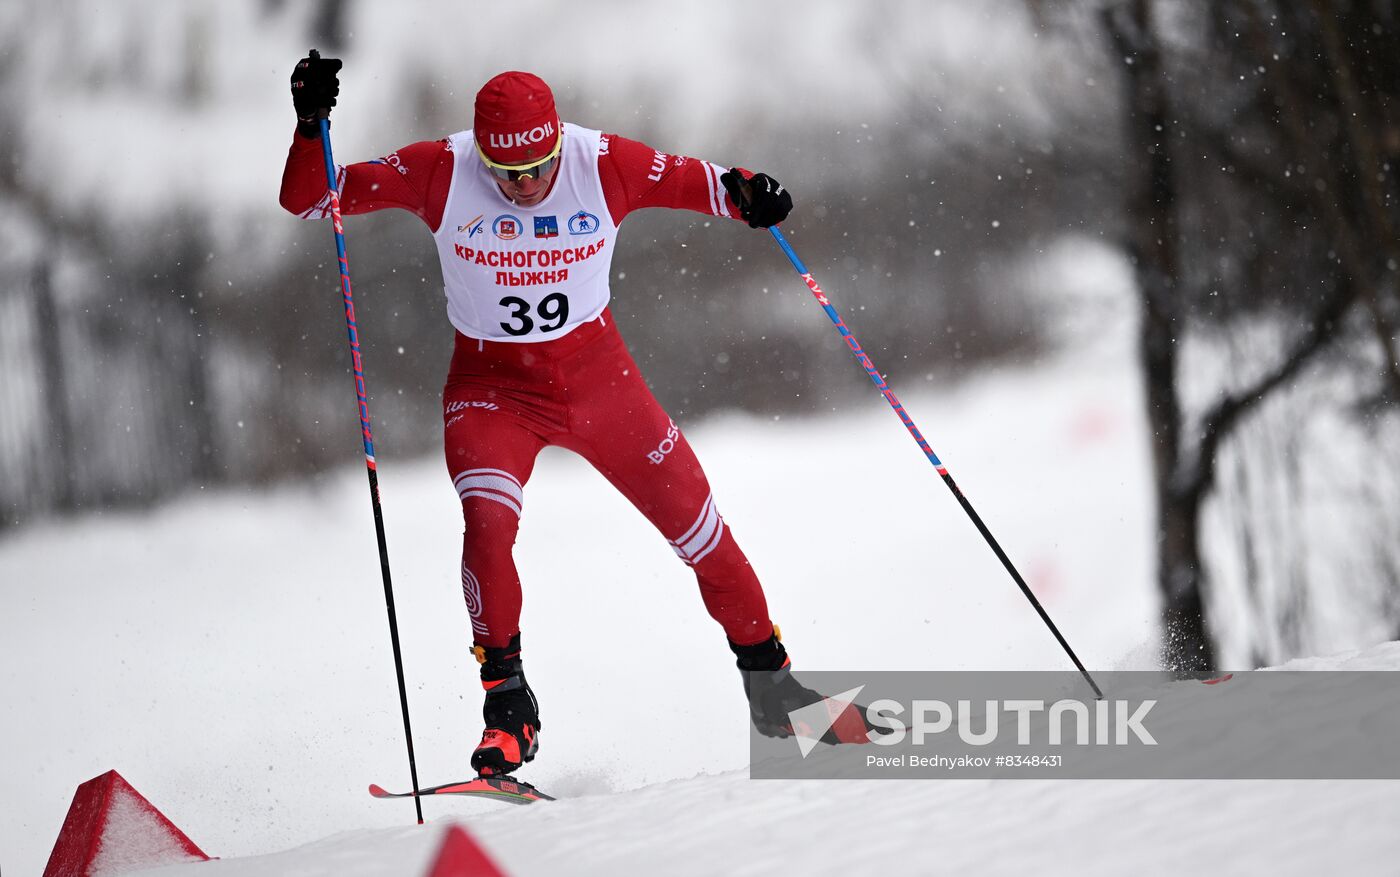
{"x":514,"y":172}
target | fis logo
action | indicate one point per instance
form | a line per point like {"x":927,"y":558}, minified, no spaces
{"x":506,"y":227}
{"x":546,"y":227}
{"x":471,"y":228}
{"x":583,"y":222}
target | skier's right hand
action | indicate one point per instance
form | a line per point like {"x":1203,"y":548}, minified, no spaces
{"x":315,"y":84}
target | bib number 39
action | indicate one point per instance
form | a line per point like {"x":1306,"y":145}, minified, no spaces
{"x":552,"y":311}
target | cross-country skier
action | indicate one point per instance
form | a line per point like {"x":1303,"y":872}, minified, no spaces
{"x":524,"y":209}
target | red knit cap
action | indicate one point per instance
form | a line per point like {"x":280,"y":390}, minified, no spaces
{"x":516,"y":122}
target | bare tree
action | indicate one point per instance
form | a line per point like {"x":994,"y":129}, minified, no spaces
{"x":1221,"y":129}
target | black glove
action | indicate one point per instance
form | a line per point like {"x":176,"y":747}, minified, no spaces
{"x":314,"y":86}
{"x":762,"y":200}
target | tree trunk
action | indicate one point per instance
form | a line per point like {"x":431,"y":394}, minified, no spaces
{"x":1153,"y":246}
{"x":1181,"y":580}
{"x":49,"y":334}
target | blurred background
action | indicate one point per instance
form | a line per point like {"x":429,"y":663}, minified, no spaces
{"x":966,"y":175}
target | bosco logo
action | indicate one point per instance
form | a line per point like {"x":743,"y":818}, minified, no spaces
{"x":393,"y":161}
{"x":506,"y":227}
{"x":668,"y":444}
{"x":583,"y":222}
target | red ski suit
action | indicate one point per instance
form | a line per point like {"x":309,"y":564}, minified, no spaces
{"x":505,"y":401}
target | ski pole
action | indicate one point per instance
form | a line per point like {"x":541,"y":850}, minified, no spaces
{"x":864,"y":359}
{"x":368,"y":438}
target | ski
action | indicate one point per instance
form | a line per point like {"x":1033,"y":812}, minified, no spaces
{"x":502,"y":788}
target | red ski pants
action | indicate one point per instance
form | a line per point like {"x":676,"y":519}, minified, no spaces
{"x":504,"y":402}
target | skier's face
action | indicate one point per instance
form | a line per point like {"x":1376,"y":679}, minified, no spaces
{"x":525,"y":185}
{"x":529,"y":190}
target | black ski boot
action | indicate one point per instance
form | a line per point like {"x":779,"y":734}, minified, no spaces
{"x":774,"y":694}
{"x":512,"y":715}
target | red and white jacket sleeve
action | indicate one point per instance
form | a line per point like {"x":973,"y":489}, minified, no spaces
{"x":415,"y":178}
{"x":635,"y":176}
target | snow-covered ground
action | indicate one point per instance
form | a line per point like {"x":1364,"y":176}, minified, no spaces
{"x":229,"y":655}
{"x":728,"y":824}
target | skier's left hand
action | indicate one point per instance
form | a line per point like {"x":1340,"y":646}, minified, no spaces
{"x":761,"y":199}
